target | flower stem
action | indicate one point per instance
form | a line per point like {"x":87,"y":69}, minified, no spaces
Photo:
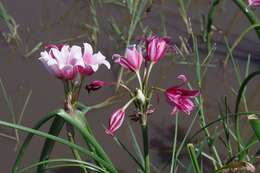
{"x":148,"y":74}
{"x":146,"y":147}
{"x":139,"y":80}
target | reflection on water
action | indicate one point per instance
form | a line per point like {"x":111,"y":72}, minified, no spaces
{"x":47,"y":21}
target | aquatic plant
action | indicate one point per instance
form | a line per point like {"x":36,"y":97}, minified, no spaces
{"x":217,"y":145}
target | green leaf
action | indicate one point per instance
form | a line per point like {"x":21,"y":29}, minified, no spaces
{"x":79,"y":163}
{"x":29,"y":138}
{"x":193,"y":158}
{"x":135,"y":145}
{"x":106,"y":165}
{"x":238,"y":100}
{"x":78,"y":121}
{"x":120,"y":143}
{"x":255,"y":124}
{"x":249,"y":13}
{"x":55,"y":130}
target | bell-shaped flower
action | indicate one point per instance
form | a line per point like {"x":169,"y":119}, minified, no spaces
{"x":62,"y":61}
{"x":115,"y":121}
{"x":180,"y":98}
{"x":254,"y":3}
{"x":156,"y":48}
{"x":92,"y":61}
{"x":132,"y":60}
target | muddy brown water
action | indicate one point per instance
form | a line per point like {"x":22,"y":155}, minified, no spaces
{"x":51,"y":21}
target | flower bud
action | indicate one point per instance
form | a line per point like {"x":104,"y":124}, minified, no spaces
{"x":115,"y":121}
{"x":140,"y":96}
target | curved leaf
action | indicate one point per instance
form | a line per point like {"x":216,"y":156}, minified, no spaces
{"x":29,"y":138}
{"x":88,"y":165}
{"x":249,"y":14}
{"x":238,"y":100}
{"x":255,"y":124}
{"x":55,"y":129}
{"x":106,"y":165}
{"x":79,"y":122}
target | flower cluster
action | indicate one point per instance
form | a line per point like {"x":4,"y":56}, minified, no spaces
{"x":66,"y":62}
{"x":155,"y":49}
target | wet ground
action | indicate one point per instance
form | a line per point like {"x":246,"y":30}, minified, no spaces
{"x":53,"y":21}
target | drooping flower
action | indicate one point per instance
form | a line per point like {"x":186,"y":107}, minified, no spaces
{"x":62,"y":61}
{"x":96,"y":84}
{"x":115,"y":121}
{"x":92,"y":61}
{"x":254,"y":3}
{"x":132,"y":60}
{"x":180,"y":98}
{"x":156,"y":48}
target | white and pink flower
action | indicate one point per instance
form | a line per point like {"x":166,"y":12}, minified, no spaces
{"x":66,"y":62}
{"x":92,"y":61}
{"x":62,"y":61}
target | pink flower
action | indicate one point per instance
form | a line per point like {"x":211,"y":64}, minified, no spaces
{"x":254,"y":3}
{"x":92,"y":61}
{"x":132,"y":60}
{"x":115,"y":121}
{"x":62,"y":61}
{"x":156,"y":47}
{"x":97,"y":84}
{"x":181,"y":98}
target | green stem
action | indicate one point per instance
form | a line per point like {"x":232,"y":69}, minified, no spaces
{"x":146,"y":148}
{"x":200,"y":103}
{"x":139,"y":80}
{"x":173,"y":163}
{"x":148,"y":74}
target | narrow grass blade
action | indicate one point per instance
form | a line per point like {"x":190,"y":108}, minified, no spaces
{"x":55,"y":130}
{"x":119,"y":142}
{"x":59,"y":140}
{"x":28,"y":139}
{"x":136,"y":146}
{"x":238,"y":100}
{"x":58,"y":162}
